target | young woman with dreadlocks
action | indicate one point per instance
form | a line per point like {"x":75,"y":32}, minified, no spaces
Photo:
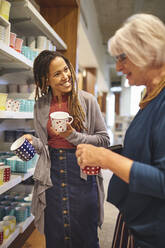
{"x":67,"y":204}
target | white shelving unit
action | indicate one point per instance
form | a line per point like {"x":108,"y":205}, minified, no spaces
{"x":15,"y":68}
{"x":10,"y":61}
{"x":11,"y":238}
{"x":15,"y":180}
{"x":28,"y":174}
{"x":25,"y":224}
{"x":10,"y":58}
{"x":15,"y":115}
{"x":6,"y":25}
{"x":20,"y":228}
{"x":29,"y":22}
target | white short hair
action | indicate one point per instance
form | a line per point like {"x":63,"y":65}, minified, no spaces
{"x":142,"y":39}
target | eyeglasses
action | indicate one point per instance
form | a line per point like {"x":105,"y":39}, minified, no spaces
{"x":120,"y":57}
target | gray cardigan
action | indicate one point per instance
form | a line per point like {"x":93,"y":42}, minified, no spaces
{"x":96,"y":135}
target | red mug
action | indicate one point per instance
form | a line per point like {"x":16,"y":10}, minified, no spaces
{"x":1,"y":234}
{"x":7,"y":173}
{"x":91,"y":170}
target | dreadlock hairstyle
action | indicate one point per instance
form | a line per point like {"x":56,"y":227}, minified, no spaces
{"x":41,"y":70}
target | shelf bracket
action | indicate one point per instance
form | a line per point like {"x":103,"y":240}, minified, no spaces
{"x":12,"y":70}
{"x":19,"y":20}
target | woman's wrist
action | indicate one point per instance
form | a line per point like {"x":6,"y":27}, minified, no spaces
{"x":102,"y":157}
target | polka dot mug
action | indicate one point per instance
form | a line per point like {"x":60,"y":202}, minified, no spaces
{"x":23,"y":149}
{"x":59,"y":120}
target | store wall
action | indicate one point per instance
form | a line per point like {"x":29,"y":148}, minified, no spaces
{"x":100,"y":81}
{"x":88,"y":18}
{"x":110,"y":113}
{"x":135,"y":99}
{"x":129,"y":100}
{"x":125,"y":102}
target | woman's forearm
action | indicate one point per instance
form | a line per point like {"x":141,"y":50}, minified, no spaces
{"x":98,"y":156}
{"x":119,"y":165}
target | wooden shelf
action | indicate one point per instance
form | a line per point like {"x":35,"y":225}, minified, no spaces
{"x":29,"y":22}
{"x":51,"y":4}
{"x":15,"y":115}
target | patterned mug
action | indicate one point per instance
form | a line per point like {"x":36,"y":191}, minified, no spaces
{"x":91,"y":170}
{"x":59,"y":120}
{"x":23,"y":149}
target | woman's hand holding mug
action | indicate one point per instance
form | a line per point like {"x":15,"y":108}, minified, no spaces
{"x":28,"y":137}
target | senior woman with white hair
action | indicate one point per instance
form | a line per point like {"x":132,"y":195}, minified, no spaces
{"x":137,"y":187}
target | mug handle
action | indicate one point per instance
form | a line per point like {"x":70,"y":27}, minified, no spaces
{"x":70,"y":120}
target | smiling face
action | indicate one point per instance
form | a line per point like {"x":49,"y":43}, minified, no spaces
{"x":134,"y":74}
{"x":59,"y":77}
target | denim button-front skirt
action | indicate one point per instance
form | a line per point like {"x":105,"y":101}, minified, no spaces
{"x":71,"y":213}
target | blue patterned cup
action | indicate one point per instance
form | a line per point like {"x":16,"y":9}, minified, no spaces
{"x":23,"y":149}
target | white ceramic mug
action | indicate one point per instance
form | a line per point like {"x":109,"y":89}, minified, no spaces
{"x":18,"y":44}
{"x":31,"y":41}
{"x":59,"y":120}
{"x":41,"y":42}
